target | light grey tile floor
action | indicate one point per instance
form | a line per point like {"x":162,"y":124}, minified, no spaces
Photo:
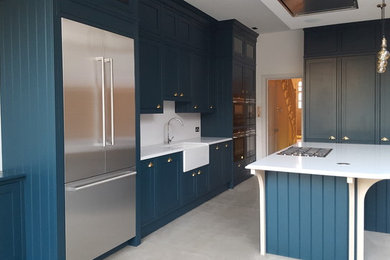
{"x":224,"y":228}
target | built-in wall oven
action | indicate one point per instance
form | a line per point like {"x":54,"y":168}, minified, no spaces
{"x":244,"y":143}
{"x":244,"y":112}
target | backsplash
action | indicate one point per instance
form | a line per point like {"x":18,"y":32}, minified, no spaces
{"x":154,"y":126}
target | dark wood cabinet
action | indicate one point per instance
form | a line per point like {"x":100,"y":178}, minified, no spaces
{"x":321,"y":100}
{"x":12,"y":220}
{"x":358,"y":101}
{"x":150,"y":76}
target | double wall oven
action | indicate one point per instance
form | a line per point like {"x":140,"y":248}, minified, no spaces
{"x":244,"y":134}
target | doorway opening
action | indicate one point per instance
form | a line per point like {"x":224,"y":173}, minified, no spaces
{"x":285,"y":103}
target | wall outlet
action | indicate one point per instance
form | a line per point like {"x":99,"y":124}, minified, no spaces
{"x":197,"y":129}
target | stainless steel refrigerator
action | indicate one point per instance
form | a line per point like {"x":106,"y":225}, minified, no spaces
{"x":99,"y":132}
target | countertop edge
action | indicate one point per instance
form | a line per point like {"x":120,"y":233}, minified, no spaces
{"x":11,"y":176}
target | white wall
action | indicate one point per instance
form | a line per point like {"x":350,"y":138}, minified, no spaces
{"x":279,"y":55}
{"x":154,"y":126}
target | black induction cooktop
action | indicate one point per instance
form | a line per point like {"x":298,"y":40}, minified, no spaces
{"x":305,"y":151}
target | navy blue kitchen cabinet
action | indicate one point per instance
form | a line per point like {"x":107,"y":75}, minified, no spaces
{"x":221,"y":165}
{"x":335,"y":90}
{"x":12,"y":220}
{"x":122,"y":8}
{"x":321,"y":100}
{"x":344,"y":39}
{"x":146,"y":179}
{"x":202,"y":181}
{"x":159,"y":178}
{"x":167,"y":183}
{"x":150,"y":76}
{"x":149,"y":17}
{"x":176,"y":74}
{"x":194,"y":184}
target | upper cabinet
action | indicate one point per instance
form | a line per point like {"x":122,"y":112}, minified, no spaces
{"x":184,"y":38}
{"x":345,"y":39}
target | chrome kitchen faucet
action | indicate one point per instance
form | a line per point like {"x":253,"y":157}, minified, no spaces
{"x":169,"y":122}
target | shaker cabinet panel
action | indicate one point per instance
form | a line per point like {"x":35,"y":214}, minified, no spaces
{"x":358,"y":99}
{"x":321,"y":100}
{"x":147,"y":186}
{"x":167,"y":183}
{"x":150,"y":77}
{"x":188,"y":187}
{"x":170,"y":66}
{"x":149,"y":15}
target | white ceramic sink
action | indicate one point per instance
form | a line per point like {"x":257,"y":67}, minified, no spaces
{"x":195,"y":155}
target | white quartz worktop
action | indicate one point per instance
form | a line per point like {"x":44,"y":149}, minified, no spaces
{"x":153,"y":151}
{"x":365,"y":161}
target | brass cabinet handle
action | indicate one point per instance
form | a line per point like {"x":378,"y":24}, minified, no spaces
{"x":226,"y":145}
{"x":194,"y":174}
{"x":384,"y":139}
{"x":175,"y":94}
{"x":217,"y":148}
{"x":199,"y":172}
{"x":170,"y":159}
{"x":242,"y":157}
{"x":182,"y":94}
{"x":196,"y":107}
{"x":158,"y":106}
{"x":150,"y":165}
{"x":239,"y":165}
{"x":332,"y":137}
{"x":345,"y":138}
{"x":211,"y":107}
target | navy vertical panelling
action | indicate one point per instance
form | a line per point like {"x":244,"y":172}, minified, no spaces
{"x":293,"y":215}
{"x":381,"y":202}
{"x":28,"y":111}
{"x":272,"y":212}
{"x":282,"y":216}
{"x":329,"y":217}
{"x":370,"y":209}
{"x":377,"y":207}
{"x":307,"y":216}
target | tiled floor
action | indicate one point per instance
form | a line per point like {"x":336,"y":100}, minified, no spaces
{"x":223,"y":228}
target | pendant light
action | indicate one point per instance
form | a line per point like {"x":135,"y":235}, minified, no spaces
{"x":383,"y":54}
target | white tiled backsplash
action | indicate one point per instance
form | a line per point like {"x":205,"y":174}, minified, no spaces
{"x":154,"y":126}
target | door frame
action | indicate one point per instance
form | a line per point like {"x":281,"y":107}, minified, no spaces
{"x":265,"y":80}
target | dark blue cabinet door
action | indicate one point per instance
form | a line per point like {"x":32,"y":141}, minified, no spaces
{"x":238,"y":75}
{"x":199,"y":83}
{"x":216,"y":175}
{"x":167,"y":183}
{"x":249,"y":82}
{"x":184,"y":75}
{"x":11,"y":224}
{"x":202,"y":181}
{"x":227,"y":162}
{"x":187,"y":187}
{"x":146,"y":178}
{"x":149,"y":16}
{"x":170,"y":73}
{"x":150,"y":77}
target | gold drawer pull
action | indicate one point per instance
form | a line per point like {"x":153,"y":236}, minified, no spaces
{"x":217,"y":148}
{"x":345,"y":138}
{"x":226,"y":145}
{"x":211,"y":107}
{"x":332,"y":137}
{"x":182,"y":94}
{"x":242,"y":157}
{"x":199,"y":172}
{"x":175,"y":94}
{"x":150,"y":165}
{"x":385,"y":139}
{"x":170,"y":159}
{"x":196,"y":107}
{"x":239,"y":165}
{"x":158,"y":106}
{"x":194,"y":174}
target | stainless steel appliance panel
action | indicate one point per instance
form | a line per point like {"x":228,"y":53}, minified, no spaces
{"x":120,"y":104}
{"x":83,"y":110}
{"x":98,"y":214}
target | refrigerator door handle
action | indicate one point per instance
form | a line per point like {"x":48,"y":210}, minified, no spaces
{"x":95,"y":183}
{"x":103,"y":101}
{"x":110,"y":60}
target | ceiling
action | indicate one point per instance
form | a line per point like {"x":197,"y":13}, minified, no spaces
{"x":271,"y":16}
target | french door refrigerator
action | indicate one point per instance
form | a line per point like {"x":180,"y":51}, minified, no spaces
{"x":99,"y":132}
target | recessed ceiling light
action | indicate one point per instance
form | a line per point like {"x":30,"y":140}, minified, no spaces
{"x":254,"y":28}
{"x":304,"y":7}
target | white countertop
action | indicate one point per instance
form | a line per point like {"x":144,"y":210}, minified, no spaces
{"x":153,"y":151}
{"x":365,"y":161}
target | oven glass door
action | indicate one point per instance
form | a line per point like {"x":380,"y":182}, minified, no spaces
{"x":238,"y":148}
{"x":250,"y":145}
{"x":239,"y":114}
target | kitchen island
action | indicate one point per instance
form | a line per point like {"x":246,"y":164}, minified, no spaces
{"x":313,"y":207}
